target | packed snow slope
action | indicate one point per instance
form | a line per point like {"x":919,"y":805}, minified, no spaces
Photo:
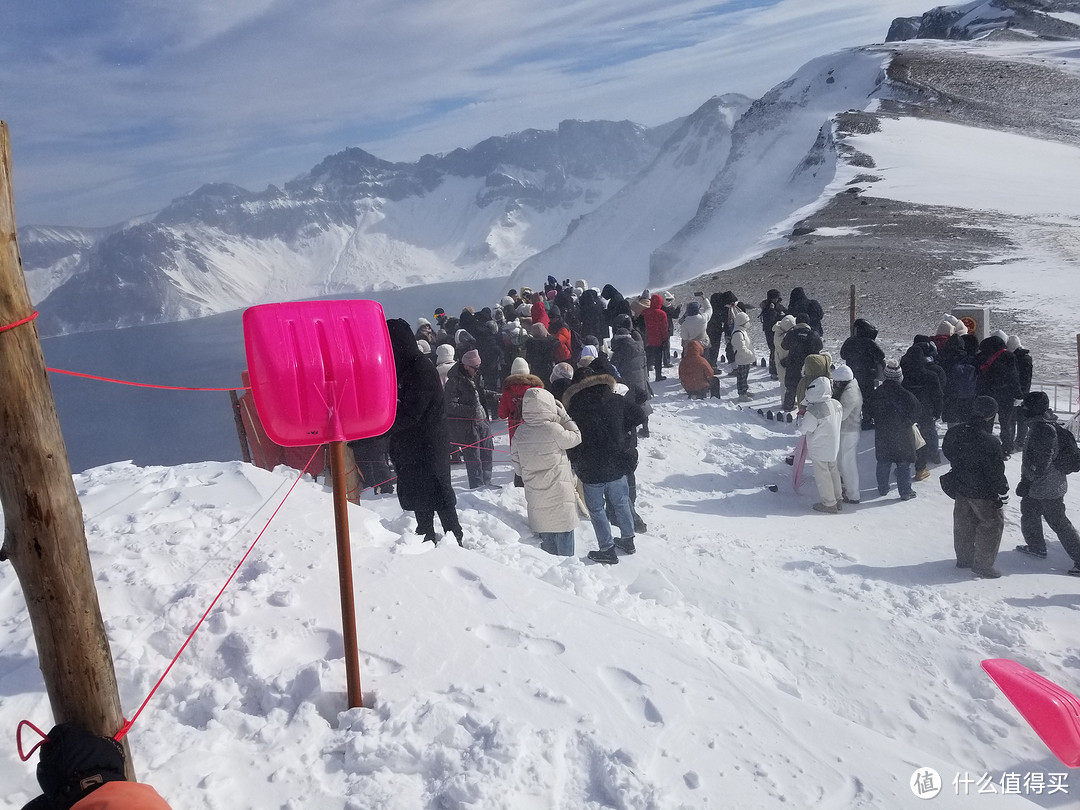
{"x":753,"y":653}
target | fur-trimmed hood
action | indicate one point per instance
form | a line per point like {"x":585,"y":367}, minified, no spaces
{"x":588,"y":382}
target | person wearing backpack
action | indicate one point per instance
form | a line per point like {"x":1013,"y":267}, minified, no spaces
{"x":1049,"y":455}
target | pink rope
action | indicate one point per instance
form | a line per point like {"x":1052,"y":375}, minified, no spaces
{"x":129,"y":723}
{"x":27,"y":319}
{"x":146,"y":385}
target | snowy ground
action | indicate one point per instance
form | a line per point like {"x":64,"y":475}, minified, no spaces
{"x":752,"y":654}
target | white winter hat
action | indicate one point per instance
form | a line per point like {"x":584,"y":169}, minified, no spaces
{"x":1000,"y":334}
{"x":669,"y":296}
{"x":506,"y":301}
{"x":422,"y":322}
{"x":444,"y":352}
{"x":952,"y":319}
{"x":562,"y":371}
{"x":423,"y":346}
{"x":519,"y":366}
{"x":843,"y":373}
{"x":944,"y":328}
{"x":1013,"y":343}
{"x":960,"y":328}
{"x":741,"y":318}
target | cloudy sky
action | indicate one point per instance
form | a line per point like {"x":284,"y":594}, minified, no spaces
{"x":118,"y":106}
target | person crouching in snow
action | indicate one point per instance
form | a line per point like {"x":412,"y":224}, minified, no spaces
{"x":821,"y":426}
{"x":538,"y":454}
{"x":696,"y":374}
{"x":744,"y":354}
{"x":846,"y":392}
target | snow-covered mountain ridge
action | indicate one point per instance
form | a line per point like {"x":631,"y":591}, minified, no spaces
{"x":651,"y":206}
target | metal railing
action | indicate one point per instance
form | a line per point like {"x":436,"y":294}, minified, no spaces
{"x":1064,"y":397}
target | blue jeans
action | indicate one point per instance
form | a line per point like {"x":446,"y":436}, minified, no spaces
{"x":618,"y":493}
{"x":903,"y":476}
{"x":562,"y":541}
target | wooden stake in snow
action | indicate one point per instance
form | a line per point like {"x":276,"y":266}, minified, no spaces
{"x":44,"y":535}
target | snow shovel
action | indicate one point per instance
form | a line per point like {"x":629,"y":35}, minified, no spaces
{"x":1053,"y":712}
{"x":323,"y":372}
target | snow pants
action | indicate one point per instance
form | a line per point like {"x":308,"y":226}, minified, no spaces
{"x":977,"y":527}
{"x":827,"y":478}
{"x":847,"y":462}
{"x":1032,"y":513}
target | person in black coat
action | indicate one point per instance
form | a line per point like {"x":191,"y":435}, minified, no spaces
{"x":800,"y":342}
{"x":540,"y":351}
{"x":716,"y":327}
{"x":616,"y":305}
{"x":604,"y":457}
{"x":1025,"y":369}
{"x":866,"y":359}
{"x":492,"y":355}
{"x":592,"y":314}
{"x":978,"y":485}
{"x":799,"y":303}
{"x":895,"y":411}
{"x":921,"y":380}
{"x":419,"y":444}
{"x":371,"y":456}
{"x":999,"y":379}
{"x":772,"y":310}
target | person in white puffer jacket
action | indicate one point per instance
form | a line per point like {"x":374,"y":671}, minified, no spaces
{"x":538,"y":454}
{"x":745,"y":356}
{"x":821,"y":426}
{"x":693,"y":322}
{"x":846,"y":392}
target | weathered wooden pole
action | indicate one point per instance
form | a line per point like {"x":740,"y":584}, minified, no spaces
{"x":44,"y":535}
{"x":851,"y":306}
{"x":345,"y":580}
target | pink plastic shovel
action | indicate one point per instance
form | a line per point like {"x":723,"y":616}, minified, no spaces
{"x":1049,"y":709}
{"x":323,"y":371}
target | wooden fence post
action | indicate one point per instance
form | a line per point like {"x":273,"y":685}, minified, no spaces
{"x":44,"y":535}
{"x":851,"y":307}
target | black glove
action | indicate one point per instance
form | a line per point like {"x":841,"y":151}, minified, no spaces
{"x":1002,"y":500}
{"x":1023,"y":487}
{"x":75,"y":762}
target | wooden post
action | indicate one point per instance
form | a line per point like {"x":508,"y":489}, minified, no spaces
{"x":44,"y":535}
{"x":241,"y":431}
{"x":851,"y":306}
{"x":348,"y":608}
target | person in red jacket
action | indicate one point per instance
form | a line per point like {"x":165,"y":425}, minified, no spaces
{"x":656,"y":335}
{"x":81,"y":771}
{"x":538,"y":312}
{"x":521,"y":379}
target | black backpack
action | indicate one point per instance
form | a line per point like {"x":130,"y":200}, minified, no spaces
{"x":1067,"y":458}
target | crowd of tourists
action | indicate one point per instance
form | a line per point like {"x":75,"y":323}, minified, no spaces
{"x":571,"y":368}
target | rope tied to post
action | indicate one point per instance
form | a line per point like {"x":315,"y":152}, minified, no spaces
{"x":27,"y":319}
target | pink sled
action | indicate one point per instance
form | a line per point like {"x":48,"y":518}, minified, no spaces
{"x":1051,"y":711}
